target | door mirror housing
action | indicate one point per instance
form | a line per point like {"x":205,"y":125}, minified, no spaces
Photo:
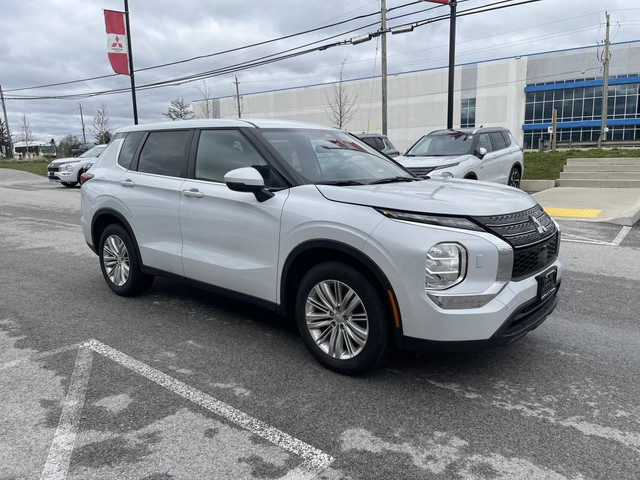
{"x":481,"y":152}
{"x":247,"y":179}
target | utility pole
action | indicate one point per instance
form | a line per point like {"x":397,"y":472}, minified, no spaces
{"x":383,"y":41}
{"x":452,"y":62}
{"x":84,"y":138}
{"x":6,"y":125}
{"x":130,"y":50}
{"x":238,"y":97}
{"x":605,"y":87}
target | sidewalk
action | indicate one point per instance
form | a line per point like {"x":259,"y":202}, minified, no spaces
{"x":620,"y":206}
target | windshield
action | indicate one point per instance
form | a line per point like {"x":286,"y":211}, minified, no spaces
{"x":451,"y":143}
{"x":333,"y":157}
{"x":93,"y":152}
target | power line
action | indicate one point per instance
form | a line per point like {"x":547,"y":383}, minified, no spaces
{"x":265,"y":42}
{"x":276,"y":57}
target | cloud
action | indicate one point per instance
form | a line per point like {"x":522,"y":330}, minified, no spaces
{"x":52,"y":41}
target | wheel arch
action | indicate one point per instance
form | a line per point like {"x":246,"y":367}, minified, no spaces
{"x":105,"y":217}
{"x":311,"y":253}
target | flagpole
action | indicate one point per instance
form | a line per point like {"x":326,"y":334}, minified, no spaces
{"x":133,"y":81}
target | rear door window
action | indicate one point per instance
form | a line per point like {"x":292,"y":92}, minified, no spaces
{"x":497,"y":142}
{"x":507,"y":138}
{"x":166,"y":153}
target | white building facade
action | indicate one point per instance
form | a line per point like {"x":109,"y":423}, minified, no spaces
{"x":519,"y":93}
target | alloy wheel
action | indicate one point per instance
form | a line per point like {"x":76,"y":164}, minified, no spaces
{"x":116,"y":260}
{"x":337,"y":319}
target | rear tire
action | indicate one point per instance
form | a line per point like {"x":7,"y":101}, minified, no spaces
{"x":120,"y":264}
{"x":342,"y":318}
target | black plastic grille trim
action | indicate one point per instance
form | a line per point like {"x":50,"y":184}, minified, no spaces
{"x":533,"y":251}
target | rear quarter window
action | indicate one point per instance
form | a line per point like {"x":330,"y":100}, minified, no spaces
{"x":497,"y":142}
{"x":129,"y":148}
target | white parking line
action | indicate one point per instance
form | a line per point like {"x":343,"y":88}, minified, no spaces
{"x":614,"y":243}
{"x":315,"y":460}
{"x":61,"y":449}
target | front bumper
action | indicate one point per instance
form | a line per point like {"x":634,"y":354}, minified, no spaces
{"x":525,"y":319}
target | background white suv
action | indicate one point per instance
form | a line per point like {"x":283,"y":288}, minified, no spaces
{"x":68,"y":170}
{"x":490,"y":154}
{"x":312,"y":222}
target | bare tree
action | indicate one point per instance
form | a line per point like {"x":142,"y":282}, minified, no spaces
{"x":179,"y":110}
{"x":342,"y":104}
{"x":101,"y":129}
{"x":5,"y":139}
{"x":26,"y":135}
{"x":208,"y":107}
{"x":67,"y":145}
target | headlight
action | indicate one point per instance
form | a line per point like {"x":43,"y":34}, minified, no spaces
{"x":452,"y":222}
{"x":69,"y":167}
{"x":446,"y":266}
{"x":448,"y":165}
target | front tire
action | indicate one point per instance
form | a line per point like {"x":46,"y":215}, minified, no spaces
{"x":342,"y":318}
{"x":120,"y":264}
{"x":69,"y":184}
{"x":514,"y":177}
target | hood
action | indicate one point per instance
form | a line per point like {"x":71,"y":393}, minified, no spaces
{"x":59,"y":161}
{"x":409,"y":162}
{"x":436,"y":195}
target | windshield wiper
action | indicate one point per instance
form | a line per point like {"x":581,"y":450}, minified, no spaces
{"x":341,"y":183}
{"x":394,"y":179}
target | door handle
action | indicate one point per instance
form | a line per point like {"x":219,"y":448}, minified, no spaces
{"x":193,"y":193}
{"x":128,"y":183}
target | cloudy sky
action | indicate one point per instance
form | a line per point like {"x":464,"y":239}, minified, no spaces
{"x":54,"y":41}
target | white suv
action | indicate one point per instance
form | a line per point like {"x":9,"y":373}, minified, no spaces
{"x":67,"y":171}
{"x":490,"y":154}
{"x":312,"y":222}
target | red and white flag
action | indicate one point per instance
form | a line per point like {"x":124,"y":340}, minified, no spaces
{"x":117,"y":41}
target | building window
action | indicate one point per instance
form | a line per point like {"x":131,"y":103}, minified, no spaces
{"x":468,"y":113}
{"x":582,"y":104}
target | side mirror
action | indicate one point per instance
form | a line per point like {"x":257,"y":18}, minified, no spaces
{"x":247,"y":179}
{"x":482,"y":152}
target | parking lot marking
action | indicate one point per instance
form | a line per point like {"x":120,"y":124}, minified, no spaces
{"x":61,"y":449}
{"x":573,"y":212}
{"x":620,"y":237}
{"x":39,"y":356}
{"x":567,"y":237}
{"x":314,"y":460}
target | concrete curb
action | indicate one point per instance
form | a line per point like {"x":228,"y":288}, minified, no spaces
{"x":532,"y":186}
{"x":629,"y":216}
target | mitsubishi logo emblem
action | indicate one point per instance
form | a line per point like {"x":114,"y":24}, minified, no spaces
{"x":536,"y":223}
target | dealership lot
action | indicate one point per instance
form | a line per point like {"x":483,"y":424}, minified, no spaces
{"x":180,"y":383}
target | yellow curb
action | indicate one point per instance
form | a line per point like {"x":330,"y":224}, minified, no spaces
{"x":573,"y":212}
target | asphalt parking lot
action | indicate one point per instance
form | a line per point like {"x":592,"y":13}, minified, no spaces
{"x":180,"y":383}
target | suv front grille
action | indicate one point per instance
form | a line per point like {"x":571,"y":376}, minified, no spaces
{"x":421,"y":171}
{"x":531,"y":233}
{"x":53,"y":169}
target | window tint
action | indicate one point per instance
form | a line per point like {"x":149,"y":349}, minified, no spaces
{"x":507,"y":139}
{"x":484,"y":142}
{"x":129,"y":148}
{"x":371,"y":141}
{"x":497,"y":142}
{"x":165,"y":153}
{"x":220,"y":151}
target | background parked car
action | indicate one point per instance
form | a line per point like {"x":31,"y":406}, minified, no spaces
{"x":379,"y":142}
{"x":490,"y":154}
{"x":68,"y":170}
